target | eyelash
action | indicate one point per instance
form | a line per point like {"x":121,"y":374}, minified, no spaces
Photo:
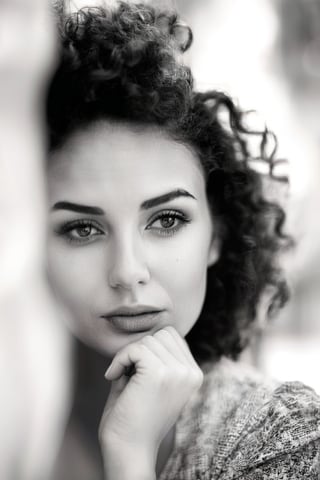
{"x":66,"y":229}
{"x":170,"y":231}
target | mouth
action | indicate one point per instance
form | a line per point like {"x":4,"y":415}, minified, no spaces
{"x":134,"y":320}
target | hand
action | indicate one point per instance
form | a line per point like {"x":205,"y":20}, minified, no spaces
{"x":141,"y":409}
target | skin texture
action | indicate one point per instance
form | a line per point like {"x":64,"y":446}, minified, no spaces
{"x":133,"y":254}
{"x":129,"y":258}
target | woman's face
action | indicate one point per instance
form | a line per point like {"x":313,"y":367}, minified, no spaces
{"x":131,"y":236}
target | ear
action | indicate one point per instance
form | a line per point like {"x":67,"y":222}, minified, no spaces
{"x":214,"y":251}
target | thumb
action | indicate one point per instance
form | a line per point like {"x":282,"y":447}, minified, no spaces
{"x":117,"y":387}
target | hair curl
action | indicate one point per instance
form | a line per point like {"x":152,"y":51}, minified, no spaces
{"x":124,"y":64}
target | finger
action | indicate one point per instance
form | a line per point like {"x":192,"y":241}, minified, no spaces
{"x":116,"y":389}
{"x":160,"y":349}
{"x":135,"y":354}
{"x":129,"y":371}
{"x":171,"y":345}
{"x":196,"y":370}
{"x":184,"y":348}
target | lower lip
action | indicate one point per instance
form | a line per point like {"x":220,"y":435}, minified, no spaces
{"x":135,"y":323}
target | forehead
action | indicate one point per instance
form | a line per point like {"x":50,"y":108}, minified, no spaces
{"x":107,"y":155}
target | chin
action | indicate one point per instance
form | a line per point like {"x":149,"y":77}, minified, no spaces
{"x":109,"y":347}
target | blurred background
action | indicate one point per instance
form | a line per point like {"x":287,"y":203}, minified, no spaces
{"x":266,"y":54}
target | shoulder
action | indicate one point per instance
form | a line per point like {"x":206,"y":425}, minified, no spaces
{"x":258,"y":419}
{"x":238,"y":384}
{"x":242,"y":425}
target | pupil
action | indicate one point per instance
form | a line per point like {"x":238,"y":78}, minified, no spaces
{"x":84,"y":231}
{"x":167,"y":222}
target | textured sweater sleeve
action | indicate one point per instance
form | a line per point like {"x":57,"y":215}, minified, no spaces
{"x":303,"y":464}
{"x":281,"y":440}
{"x":243,"y":426}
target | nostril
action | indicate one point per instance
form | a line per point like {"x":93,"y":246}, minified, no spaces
{"x":128,"y":265}
{"x":128,"y":276}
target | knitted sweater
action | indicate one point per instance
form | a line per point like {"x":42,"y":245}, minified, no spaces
{"x":241,"y":426}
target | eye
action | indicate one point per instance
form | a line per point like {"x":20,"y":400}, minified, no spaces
{"x":168,"y":222}
{"x":80,"y":231}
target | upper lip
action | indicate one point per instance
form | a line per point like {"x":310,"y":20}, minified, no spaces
{"x":131,"y":310}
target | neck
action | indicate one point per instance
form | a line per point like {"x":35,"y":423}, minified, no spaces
{"x":91,"y":390}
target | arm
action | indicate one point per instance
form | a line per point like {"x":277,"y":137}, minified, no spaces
{"x":302,"y":464}
{"x":127,"y":463}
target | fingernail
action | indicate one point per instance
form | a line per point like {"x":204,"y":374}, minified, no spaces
{"x":106,"y":374}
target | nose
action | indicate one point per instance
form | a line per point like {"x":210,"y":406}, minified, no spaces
{"x":129,"y":267}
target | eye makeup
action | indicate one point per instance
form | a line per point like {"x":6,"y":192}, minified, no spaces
{"x":168,"y":222}
{"x":163,"y":223}
{"x":81,"y":231}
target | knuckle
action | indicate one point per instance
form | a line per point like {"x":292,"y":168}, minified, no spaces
{"x":137,"y":349}
{"x":171,"y":330}
{"x":161,"y":374}
{"x":161,"y":334}
{"x":147,"y":340}
{"x":197,"y":377}
{"x":184,"y":371}
{"x":180,"y":374}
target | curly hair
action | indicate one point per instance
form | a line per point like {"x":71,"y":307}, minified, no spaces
{"x":124,"y":64}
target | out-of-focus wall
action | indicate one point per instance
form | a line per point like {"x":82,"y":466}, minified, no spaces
{"x":34,"y":349}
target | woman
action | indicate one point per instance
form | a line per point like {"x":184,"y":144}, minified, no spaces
{"x":161,"y":246}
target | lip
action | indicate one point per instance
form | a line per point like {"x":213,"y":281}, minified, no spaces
{"x":134,"y":319}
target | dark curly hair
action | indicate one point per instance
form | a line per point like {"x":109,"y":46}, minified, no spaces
{"x":124,"y":64}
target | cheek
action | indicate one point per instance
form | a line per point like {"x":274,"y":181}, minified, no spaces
{"x":72,"y":276}
{"x":187,"y":295}
{"x":185,"y":259}
{"x":184,"y":276}
{"x":189,"y":279}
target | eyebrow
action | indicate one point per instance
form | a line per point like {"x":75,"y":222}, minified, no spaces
{"x":75,"y":207}
{"x":152,"y":202}
{"x":167,"y":197}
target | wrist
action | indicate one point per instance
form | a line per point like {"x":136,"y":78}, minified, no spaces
{"x":128,"y":462}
